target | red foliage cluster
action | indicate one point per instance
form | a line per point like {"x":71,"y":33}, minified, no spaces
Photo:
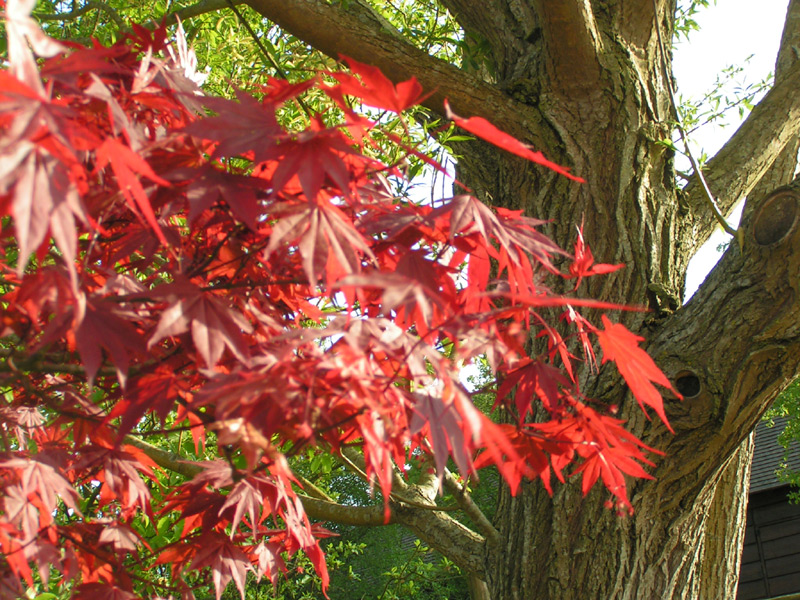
{"x":261,"y":286}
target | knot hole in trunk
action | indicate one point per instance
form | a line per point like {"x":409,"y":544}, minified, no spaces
{"x":776,"y":218}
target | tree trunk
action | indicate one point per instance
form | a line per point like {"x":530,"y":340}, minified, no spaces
{"x":725,"y":527}
{"x":569,"y":546}
{"x":588,"y":84}
{"x":478,"y":590}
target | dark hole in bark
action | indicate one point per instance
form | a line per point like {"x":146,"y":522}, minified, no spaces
{"x":776,"y":218}
{"x":688,"y":384}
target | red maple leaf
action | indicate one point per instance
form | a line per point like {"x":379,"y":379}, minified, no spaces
{"x":483,"y":129}
{"x":583,"y":263}
{"x":102,"y":591}
{"x":226,"y":560}
{"x":157,"y":391}
{"x":214,"y":325}
{"x":635,"y":366}
{"x":43,"y":198}
{"x":122,"y":538}
{"x":239,"y":192}
{"x":126,"y":164}
{"x":45,"y":480}
{"x":316,"y":156}
{"x":375,"y":89}
{"x":324,"y":231}
{"x":99,"y":325}
{"x":240,"y":128}
{"x":279,"y":91}
{"x":533,"y":379}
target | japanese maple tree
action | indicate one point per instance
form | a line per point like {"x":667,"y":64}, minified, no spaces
{"x":174,"y":258}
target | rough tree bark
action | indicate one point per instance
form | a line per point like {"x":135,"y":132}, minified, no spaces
{"x":586,"y":81}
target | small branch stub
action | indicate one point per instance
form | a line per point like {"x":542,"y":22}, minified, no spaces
{"x":776,"y":218}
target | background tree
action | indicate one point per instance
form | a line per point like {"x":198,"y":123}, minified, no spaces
{"x":589,"y":85}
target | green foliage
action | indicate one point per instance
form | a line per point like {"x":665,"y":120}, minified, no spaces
{"x":301,"y":582}
{"x":788,"y":405}
{"x":685,"y":14}
{"x":730,"y":91}
{"x":419,"y":577}
{"x":426,"y":25}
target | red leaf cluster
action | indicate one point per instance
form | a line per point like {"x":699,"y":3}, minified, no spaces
{"x":168,"y":269}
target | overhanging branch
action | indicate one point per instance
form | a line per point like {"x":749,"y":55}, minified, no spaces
{"x":507,"y":33}
{"x":636,"y":19}
{"x":487,"y":18}
{"x":414,"y":507}
{"x":352,"y":28}
{"x":733,"y":347}
{"x":472,"y":510}
{"x":164,"y":458}
{"x":358,"y":516}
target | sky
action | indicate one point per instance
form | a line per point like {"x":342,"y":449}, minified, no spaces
{"x":730,"y":32}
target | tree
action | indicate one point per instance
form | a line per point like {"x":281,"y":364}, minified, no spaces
{"x":788,"y":405}
{"x":587,"y":84}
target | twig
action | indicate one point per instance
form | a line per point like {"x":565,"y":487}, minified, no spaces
{"x":472,"y":510}
{"x":312,"y":490}
{"x":74,"y":14}
{"x":736,"y":233}
{"x":164,"y":458}
{"x":264,"y":51}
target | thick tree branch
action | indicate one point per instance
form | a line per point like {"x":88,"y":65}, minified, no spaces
{"x":358,"y":516}
{"x":413,"y":506}
{"x":636,"y":19}
{"x":454,"y":540}
{"x":572,"y":42}
{"x":782,"y":170}
{"x":746,"y":157}
{"x":730,"y":494}
{"x":734,"y":346}
{"x":354,"y":29}
{"x":729,"y":503}
{"x":316,"y":508}
{"x":448,"y":536}
{"x":789,"y":52}
{"x":489,"y":19}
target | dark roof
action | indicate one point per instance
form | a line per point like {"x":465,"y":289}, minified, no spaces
{"x":769,"y":456}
